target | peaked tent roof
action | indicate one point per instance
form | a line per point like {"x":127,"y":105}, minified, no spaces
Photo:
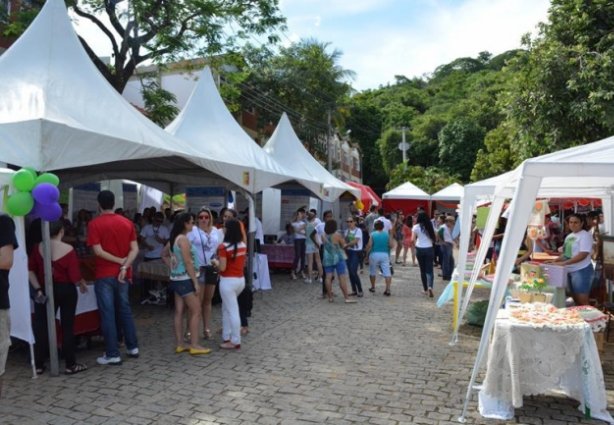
{"x":207,"y":123}
{"x":406,"y":191}
{"x":285,"y":146}
{"x":454,"y":192}
{"x":58,"y":113}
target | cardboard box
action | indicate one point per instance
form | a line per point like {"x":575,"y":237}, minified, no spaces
{"x":556,"y":275}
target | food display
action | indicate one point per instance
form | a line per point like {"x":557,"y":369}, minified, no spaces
{"x":545,"y":315}
{"x":597,"y":319}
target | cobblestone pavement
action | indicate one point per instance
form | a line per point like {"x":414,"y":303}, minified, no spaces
{"x":385,"y":360}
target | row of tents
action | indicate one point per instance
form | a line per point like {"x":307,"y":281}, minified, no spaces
{"x":408,"y":198}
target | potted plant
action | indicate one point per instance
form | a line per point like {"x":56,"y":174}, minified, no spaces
{"x":532,"y":290}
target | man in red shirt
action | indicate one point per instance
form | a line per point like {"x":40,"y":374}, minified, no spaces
{"x":113,"y":240}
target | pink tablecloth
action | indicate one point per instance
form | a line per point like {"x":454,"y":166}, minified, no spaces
{"x":279,"y":256}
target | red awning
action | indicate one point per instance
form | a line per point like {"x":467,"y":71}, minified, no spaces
{"x":367,"y":196}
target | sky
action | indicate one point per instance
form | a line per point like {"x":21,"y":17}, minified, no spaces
{"x":383,"y":38}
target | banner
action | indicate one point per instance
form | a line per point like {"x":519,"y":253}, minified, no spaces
{"x":211,"y":197}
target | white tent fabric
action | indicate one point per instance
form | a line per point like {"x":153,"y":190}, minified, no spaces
{"x":285,"y":146}
{"x":586,"y":170}
{"x":454,"y":192}
{"x":58,"y":113}
{"x":209,"y":126}
{"x":406,"y":191}
{"x":19,"y":290}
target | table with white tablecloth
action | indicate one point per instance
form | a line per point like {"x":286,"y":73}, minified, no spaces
{"x":262,"y":279}
{"x":527,"y":360}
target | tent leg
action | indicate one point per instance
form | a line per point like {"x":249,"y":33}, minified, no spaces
{"x":33,"y":362}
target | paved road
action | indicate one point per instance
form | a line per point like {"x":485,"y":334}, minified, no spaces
{"x":385,"y":360}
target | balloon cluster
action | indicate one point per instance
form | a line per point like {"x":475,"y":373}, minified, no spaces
{"x":35,"y":194}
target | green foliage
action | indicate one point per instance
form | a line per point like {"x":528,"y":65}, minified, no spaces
{"x":497,"y":156}
{"x":476,"y":313}
{"x":564,"y":89}
{"x":430,"y":179}
{"x":304,"y":80}
{"x":162,"y":31}
{"x":159,"y":103}
{"x":459,"y":142}
{"x":388,"y":148}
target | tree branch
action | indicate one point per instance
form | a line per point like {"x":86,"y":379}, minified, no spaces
{"x":99,"y":24}
{"x":102,"y":67}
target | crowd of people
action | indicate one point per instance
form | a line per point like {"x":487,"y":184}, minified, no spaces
{"x":323,"y":248}
{"x":202,"y":253}
{"x":205,"y":251}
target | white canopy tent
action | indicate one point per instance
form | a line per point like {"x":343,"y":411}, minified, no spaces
{"x":454,"y":192}
{"x":57,"y":113}
{"x":407,"y":190}
{"x":586,"y":170}
{"x":207,"y":124}
{"x":285,"y":146}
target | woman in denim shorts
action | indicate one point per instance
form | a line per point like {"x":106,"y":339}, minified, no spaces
{"x":184,"y":265}
{"x":334,"y":261}
{"x":576,"y":258}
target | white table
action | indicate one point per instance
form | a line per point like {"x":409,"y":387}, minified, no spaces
{"x":262,"y":280}
{"x":524,"y":360}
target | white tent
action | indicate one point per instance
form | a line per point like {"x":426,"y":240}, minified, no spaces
{"x":406,"y":191}
{"x":285,"y":146}
{"x":209,"y":126}
{"x":454,"y":192}
{"x":586,"y":170}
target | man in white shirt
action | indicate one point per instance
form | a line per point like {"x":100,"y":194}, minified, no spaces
{"x":383,"y":219}
{"x":154,"y":237}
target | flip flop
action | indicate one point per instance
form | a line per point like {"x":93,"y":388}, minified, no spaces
{"x":76,"y":368}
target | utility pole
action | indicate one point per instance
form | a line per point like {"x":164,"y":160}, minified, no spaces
{"x":329,"y":143}
{"x":404,"y":146}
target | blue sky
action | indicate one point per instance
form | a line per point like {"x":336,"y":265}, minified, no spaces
{"x":383,"y":38}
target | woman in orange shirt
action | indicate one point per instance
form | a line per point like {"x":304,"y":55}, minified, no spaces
{"x":230,"y":262}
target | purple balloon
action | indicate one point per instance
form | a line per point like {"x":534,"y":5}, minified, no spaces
{"x":51,"y":212}
{"x":37,"y":209}
{"x":46,"y":194}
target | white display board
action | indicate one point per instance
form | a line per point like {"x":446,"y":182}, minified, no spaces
{"x":85,"y":197}
{"x":292,"y":200}
{"x":130,"y":198}
{"x":212,"y":197}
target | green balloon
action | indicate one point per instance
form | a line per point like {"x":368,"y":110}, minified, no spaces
{"x":23,"y":180}
{"x":47,"y":178}
{"x":20,"y":203}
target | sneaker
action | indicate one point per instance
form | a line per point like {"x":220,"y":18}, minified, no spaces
{"x":293,"y":276}
{"x":110,"y":361}
{"x":308,"y":281}
{"x":134,"y":353}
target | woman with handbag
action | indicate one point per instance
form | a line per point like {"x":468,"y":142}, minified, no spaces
{"x":205,"y":238}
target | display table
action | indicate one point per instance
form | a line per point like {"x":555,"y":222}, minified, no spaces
{"x":279,"y":256}
{"x":527,"y":360}
{"x":262,"y":279}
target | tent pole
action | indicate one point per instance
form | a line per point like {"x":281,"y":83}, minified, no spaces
{"x":520,"y":209}
{"x":251,"y":233}
{"x":32,"y":362}
{"x":54,"y":367}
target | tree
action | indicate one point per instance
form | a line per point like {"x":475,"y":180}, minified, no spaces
{"x":304,"y":80}
{"x":459,"y":142}
{"x":563,"y":91}
{"x":497,"y":156}
{"x":160,"y":31}
{"x":159,"y":103}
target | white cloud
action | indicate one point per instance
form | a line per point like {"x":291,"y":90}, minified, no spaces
{"x":442,"y":33}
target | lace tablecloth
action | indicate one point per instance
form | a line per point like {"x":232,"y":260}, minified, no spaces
{"x":524,"y":360}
